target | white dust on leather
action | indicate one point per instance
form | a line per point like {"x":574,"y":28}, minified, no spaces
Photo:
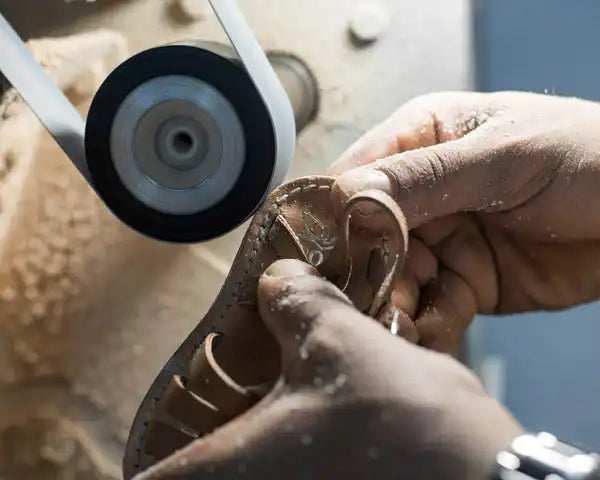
{"x":51,"y":229}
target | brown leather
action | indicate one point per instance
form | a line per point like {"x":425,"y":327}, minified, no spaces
{"x":231,"y":360}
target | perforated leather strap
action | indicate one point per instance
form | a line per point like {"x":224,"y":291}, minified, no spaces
{"x":214,"y":384}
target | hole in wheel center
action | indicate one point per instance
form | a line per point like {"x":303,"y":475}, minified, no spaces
{"x":182,"y":148}
{"x":182,"y":143}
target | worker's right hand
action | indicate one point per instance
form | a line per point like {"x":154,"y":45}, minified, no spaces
{"x":502,"y":192}
{"x":352,"y":403}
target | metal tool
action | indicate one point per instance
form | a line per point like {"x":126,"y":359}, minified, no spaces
{"x":182,"y":142}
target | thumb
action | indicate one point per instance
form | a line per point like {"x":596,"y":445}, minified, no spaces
{"x":308,"y":315}
{"x":429,"y":182}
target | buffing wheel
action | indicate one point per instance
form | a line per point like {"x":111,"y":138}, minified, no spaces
{"x":179,"y":143}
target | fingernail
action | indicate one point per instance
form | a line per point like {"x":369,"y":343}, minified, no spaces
{"x":359,"y":180}
{"x":290,"y":268}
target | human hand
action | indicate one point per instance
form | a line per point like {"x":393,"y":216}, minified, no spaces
{"x":501,"y":191}
{"x":353,"y":402}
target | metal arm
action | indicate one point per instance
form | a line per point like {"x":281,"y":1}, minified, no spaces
{"x":265,"y":80}
{"x":46,"y":101}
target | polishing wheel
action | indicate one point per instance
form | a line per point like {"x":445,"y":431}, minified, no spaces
{"x":184,"y":141}
{"x":179,"y":143}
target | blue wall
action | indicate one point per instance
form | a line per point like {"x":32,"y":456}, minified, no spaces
{"x":537,"y":45}
{"x":552,"y":360}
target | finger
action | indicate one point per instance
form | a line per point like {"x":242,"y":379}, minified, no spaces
{"x":428,"y":183}
{"x":422,"y":122}
{"x":420,"y":269}
{"x":313,"y":321}
{"x":406,"y":130}
{"x":448,"y":307}
{"x":405,"y":295}
{"x":461,"y":244}
{"x":420,"y":261}
{"x":399,"y":323}
{"x":276,"y":289}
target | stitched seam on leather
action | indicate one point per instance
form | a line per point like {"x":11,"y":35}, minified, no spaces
{"x":258,"y":240}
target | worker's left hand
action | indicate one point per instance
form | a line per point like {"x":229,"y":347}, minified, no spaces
{"x":353,"y":402}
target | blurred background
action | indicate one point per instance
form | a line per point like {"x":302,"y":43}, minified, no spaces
{"x":73,"y":374}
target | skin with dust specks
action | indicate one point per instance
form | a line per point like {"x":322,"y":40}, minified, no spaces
{"x":353,"y":401}
{"x":500,"y":191}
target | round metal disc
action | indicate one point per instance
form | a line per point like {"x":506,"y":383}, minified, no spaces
{"x":177,"y":144}
{"x":153,"y":193}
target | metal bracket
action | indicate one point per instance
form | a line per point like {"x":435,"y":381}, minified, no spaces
{"x":47,"y":102}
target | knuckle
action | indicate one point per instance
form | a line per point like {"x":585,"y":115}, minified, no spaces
{"x":420,"y":167}
{"x":300,"y":292}
{"x":317,"y":288}
{"x":436,"y":165}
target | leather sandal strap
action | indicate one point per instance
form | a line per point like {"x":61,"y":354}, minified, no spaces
{"x":227,"y":380}
{"x":210,"y":381}
{"x":193,"y":411}
{"x":399,"y":235}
